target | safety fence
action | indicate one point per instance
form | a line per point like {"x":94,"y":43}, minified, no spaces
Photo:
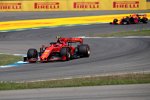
{"x":72,"y":5}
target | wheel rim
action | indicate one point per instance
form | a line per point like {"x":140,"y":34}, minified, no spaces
{"x":88,"y":52}
{"x":125,"y":23}
{"x":68,"y":55}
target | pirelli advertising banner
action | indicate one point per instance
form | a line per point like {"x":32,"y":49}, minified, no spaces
{"x":127,"y":5}
{"x":71,"y":5}
{"x":49,"y":5}
{"x":10,"y":6}
{"x":39,"y":5}
{"x":84,"y":4}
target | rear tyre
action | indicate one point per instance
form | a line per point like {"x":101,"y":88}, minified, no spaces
{"x":32,"y":53}
{"x":125,"y":22}
{"x":144,"y":20}
{"x":84,"y":50}
{"x":65,"y":52}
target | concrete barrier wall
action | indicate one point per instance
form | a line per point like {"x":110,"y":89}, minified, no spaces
{"x":72,"y":5}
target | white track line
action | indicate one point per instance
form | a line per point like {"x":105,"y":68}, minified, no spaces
{"x":85,"y":37}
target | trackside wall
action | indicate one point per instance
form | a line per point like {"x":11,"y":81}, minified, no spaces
{"x":148,"y":5}
{"x":72,"y":5}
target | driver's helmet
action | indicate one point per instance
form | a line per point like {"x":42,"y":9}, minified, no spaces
{"x":58,"y":39}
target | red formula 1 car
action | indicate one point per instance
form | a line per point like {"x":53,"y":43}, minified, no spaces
{"x":132,"y":19}
{"x":64,"y":49}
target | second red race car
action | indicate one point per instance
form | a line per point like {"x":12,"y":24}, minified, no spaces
{"x":132,"y":19}
{"x":64,"y":49}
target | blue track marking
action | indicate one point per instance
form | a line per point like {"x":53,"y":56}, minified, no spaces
{"x":17,"y":64}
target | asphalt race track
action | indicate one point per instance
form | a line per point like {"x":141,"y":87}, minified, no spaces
{"x":9,"y":16}
{"x":108,"y":55}
{"x":114,"y":92}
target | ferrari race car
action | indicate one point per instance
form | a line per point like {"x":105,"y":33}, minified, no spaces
{"x":132,"y":19}
{"x":64,"y":49}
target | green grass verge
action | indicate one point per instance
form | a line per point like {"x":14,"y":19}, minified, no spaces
{"x":130,"y":33}
{"x":78,"y":82}
{"x":8,"y":59}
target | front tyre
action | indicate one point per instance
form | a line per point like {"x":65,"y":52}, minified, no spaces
{"x":65,"y":54}
{"x":115,"y":21}
{"x":32,"y":55}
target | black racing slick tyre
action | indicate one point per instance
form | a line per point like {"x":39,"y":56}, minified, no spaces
{"x":65,"y":52}
{"x":84,"y":50}
{"x":144,"y":20}
{"x":125,"y":22}
{"x":32,"y":53}
{"x":115,"y":21}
